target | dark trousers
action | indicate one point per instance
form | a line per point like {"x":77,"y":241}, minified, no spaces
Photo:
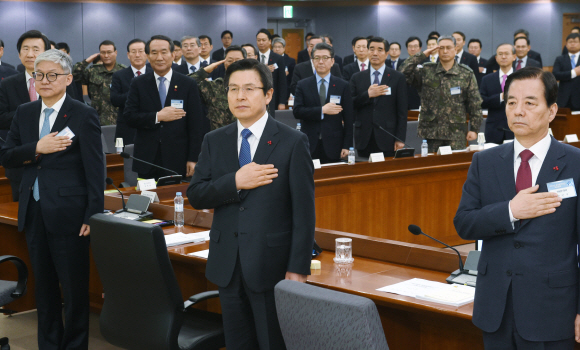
{"x":320,"y":153}
{"x":250,"y":319}
{"x":508,"y":338}
{"x":155,"y":173}
{"x":125,"y":132}
{"x":373,"y":147}
{"x":59,"y":259}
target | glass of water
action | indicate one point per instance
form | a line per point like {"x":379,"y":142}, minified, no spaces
{"x":343,"y":251}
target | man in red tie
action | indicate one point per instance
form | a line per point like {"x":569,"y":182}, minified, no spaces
{"x":522,"y":45}
{"x":521,"y":199}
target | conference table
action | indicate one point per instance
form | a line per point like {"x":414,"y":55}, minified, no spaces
{"x":565,"y":123}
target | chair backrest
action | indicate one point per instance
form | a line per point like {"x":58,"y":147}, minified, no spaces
{"x":108,"y":132}
{"x":286,"y":117}
{"x":104,"y":144}
{"x":130,"y":175}
{"x":143,"y":306}
{"x":412,"y":139}
{"x":318,"y":318}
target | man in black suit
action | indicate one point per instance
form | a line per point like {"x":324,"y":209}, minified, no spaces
{"x":62,"y":187}
{"x":5,"y":64}
{"x":474,"y":47}
{"x":277,"y":66}
{"x":279,"y":47}
{"x":414,"y":45}
{"x":220,"y":55}
{"x":567,"y":71}
{"x":304,"y":55}
{"x":324,"y":106}
{"x":491,"y":91}
{"x":464,"y":57}
{"x":305,"y":70}
{"x":165,"y":108}
{"x":190,"y":60}
{"x":122,"y":82}
{"x":380,"y":97}
{"x":257,"y":175}
{"x":19,"y":89}
{"x":522,"y":45}
{"x":361,"y":58}
{"x":337,"y":59}
{"x":395,"y":61}
{"x":531,"y":53}
{"x":206,"y":46}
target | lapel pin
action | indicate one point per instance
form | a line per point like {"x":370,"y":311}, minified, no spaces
{"x":556,"y":168}
{"x":333,"y":85}
{"x":269,"y":142}
{"x":64,"y":116}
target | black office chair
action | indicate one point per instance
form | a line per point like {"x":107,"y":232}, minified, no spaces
{"x":130,"y":179}
{"x":143,"y":308}
{"x":11,"y":290}
{"x":108,"y":132}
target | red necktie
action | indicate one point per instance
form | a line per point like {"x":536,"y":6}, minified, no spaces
{"x":519,"y":66}
{"x":32,"y":91}
{"x":524,"y":177}
{"x":362,"y":67}
{"x":138,"y":73}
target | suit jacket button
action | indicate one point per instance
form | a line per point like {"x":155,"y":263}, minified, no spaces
{"x":161,"y":126}
{"x":242,"y":208}
{"x":517,"y":245}
{"x":235,"y":234}
{"x":508,"y":272}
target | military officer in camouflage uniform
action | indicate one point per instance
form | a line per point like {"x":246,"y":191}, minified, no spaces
{"x":98,"y":81}
{"x":213,"y":93}
{"x":448,"y":92}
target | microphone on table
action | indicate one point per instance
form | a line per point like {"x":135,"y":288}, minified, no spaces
{"x":110,"y":182}
{"x":416,"y":230}
{"x":128,"y":156}
{"x":162,"y":181}
{"x":410,"y":151}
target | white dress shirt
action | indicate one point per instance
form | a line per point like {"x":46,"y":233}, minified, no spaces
{"x":257,"y":129}
{"x":267,"y":54}
{"x":573,"y":74}
{"x":460,"y":54}
{"x":28,"y":77}
{"x":196,"y":65}
{"x":135,"y":70}
{"x":540,"y":150}
{"x":166,"y":83}
{"x":52,"y":118}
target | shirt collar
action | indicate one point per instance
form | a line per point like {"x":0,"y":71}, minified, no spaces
{"x":365,"y":62}
{"x":57,"y":106}
{"x":196,"y":65}
{"x":28,"y":76}
{"x":501,"y":73}
{"x":167,"y":76}
{"x":381,"y":70}
{"x":319,"y":78}
{"x":539,"y":149}
{"x":524,"y":59}
{"x":257,"y":128}
{"x":460,"y":53}
{"x":142,"y":70}
{"x":267,"y":54}
{"x":575,"y":55}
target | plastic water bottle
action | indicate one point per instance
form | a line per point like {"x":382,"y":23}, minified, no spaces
{"x":424,"y":149}
{"x":178,"y":216}
{"x":351,"y":156}
{"x":298,"y":127}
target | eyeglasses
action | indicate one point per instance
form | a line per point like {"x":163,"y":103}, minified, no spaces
{"x":38,"y":76}
{"x":246,"y":90}
{"x":323,"y":58}
{"x":205,"y":44}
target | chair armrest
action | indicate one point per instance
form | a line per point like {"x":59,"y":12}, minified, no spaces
{"x":22,"y":274}
{"x":194,"y":299}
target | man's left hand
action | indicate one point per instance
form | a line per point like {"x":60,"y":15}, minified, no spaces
{"x":344,"y":153}
{"x":471,"y":136}
{"x":576,"y":326}
{"x":190,"y":168}
{"x":295,"y":277}
{"x":399,"y":145}
{"x":272,"y":68}
{"x":85,"y":230}
{"x":281,"y":106}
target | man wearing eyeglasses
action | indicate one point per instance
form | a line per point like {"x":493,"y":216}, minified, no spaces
{"x":21,"y":88}
{"x":257,"y":175}
{"x":324,"y":105}
{"x":57,"y":141}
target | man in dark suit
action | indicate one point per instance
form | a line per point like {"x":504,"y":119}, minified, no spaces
{"x":527,"y":275}
{"x":165,"y":108}
{"x":567,"y":71}
{"x":19,"y":89}
{"x":122,"y":82}
{"x":220,"y":55}
{"x":62,"y":187}
{"x":190,"y":60}
{"x":5,"y":64}
{"x":337,"y":59}
{"x":531,"y":53}
{"x":491,"y":91}
{"x":380,"y":97}
{"x":277,"y":66}
{"x":305,"y":70}
{"x":279,"y":47}
{"x":474,"y":47}
{"x":414,"y":45}
{"x":395,"y":61}
{"x":206,"y":46}
{"x":257,"y":175}
{"x":361,"y":60}
{"x":522,"y":46}
{"x":464,"y":57}
{"x":324,"y":106}
{"x":304,"y":55}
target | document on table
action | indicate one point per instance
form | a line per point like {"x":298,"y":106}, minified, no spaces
{"x":201,"y":254}
{"x":184,"y":238}
{"x":331,"y":164}
{"x":443,"y":293}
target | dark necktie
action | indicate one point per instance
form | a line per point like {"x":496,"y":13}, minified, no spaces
{"x":322,"y":93}
{"x":376,"y":74}
{"x":524,"y":177}
{"x":457,"y":58}
{"x":192,"y":69}
{"x":264,"y":59}
{"x":203,"y":64}
{"x":245,"y":154}
{"x":162,"y":91}
{"x":519,"y":66}
{"x":393,"y":64}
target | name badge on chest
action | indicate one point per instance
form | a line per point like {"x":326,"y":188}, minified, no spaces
{"x":388,"y":91}
{"x":177,"y":104}
{"x":335,"y":99}
{"x":455,"y":90}
{"x":564,"y":189}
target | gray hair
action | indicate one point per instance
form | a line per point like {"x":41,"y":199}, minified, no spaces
{"x":279,"y":40}
{"x":513,"y":48}
{"x":446,"y":37}
{"x":56,"y":56}
{"x":188,"y":37}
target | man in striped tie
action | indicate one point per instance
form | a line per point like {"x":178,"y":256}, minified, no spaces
{"x":257,"y":175}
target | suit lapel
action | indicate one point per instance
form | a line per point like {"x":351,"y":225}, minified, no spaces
{"x":230,"y":148}
{"x":567,"y":62}
{"x":154,"y":91}
{"x":173,"y":89}
{"x":332,"y":89}
{"x":35,"y":128}
{"x":386,"y":79}
{"x":268,"y":142}
{"x":505,"y":165}
{"x":63,"y":116}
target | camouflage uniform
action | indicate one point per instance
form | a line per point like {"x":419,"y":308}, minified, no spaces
{"x":98,"y":80}
{"x":442,"y":120}
{"x":214,"y":96}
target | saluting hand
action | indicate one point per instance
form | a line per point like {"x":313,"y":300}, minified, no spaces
{"x":428,"y":52}
{"x":527,"y":204}
{"x":52,"y":143}
{"x":92,"y":57}
{"x":169,"y":114}
{"x":253,"y":175}
{"x":213,"y":66}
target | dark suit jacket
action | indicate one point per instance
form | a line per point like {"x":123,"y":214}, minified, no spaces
{"x":179,"y":140}
{"x":218,"y":55}
{"x":569,"y":90}
{"x":119,"y":91}
{"x":338,"y":60}
{"x":470,"y":61}
{"x":5,"y":64}
{"x":303,"y":56}
{"x":279,"y":79}
{"x":529,"y":63}
{"x":304,"y":70}
{"x":20,"y":68}
{"x":336,"y":130}
{"x":496,"y":126}
{"x":479,"y":76}
{"x":538,"y":258}
{"x":400,"y":62}
{"x":349,"y":70}
{"x":347,"y":60}
{"x":6,"y":71}
{"x":271,"y":227}
{"x":389,"y":111}
{"x":535,"y":56}
{"x":71,"y":182}
{"x":181,"y":67}
{"x":290,"y":64}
